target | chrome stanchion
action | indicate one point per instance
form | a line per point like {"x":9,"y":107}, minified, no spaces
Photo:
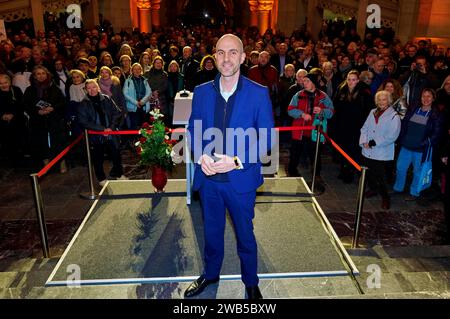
{"x":40,"y":214}
{"x":360,"y":206}
{"x":92,"y":195}
{"x":316,"y":158}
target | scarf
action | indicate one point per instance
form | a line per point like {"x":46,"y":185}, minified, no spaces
{"x":139,"y":87}
{"x":76,"y":92}
{"x":105,"y":86}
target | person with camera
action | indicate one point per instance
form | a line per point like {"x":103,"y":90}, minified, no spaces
{"x":417,"y":79}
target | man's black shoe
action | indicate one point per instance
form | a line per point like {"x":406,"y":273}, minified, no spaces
{"x":253,"y":293}
{"x":198,"y":286}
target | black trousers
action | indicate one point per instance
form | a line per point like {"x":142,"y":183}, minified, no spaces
{"x":376,"y":175}
{"x":304,"y":148}
{"x":98,"y":152}
{"x":10,"y":139}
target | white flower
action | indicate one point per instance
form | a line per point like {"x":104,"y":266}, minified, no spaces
{"x":156,"y":113}
{"x":137,"y":143}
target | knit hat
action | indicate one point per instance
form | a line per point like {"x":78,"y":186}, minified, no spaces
{"x":314,"y":78}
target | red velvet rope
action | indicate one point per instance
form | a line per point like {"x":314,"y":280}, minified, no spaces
{"x":340,"y":150}
{"x":59,"y":157}
{"x":182,"y":130}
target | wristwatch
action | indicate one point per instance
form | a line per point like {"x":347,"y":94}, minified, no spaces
{"x":237,"y":162}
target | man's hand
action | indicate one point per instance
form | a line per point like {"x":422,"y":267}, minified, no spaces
{"x":225,"y":164}
{"x":107,"y":130}
{"x":445,"y":160}
{"x":139,"y":103}
{"x":206,"y":163}
{"x":317,"y":110}
{"x":7,"y":117}
{"x":306,"y":117}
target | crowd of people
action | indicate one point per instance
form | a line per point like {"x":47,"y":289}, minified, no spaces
{"x":384,"y":102}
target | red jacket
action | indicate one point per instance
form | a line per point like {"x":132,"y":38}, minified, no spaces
{"x":299,"y":105}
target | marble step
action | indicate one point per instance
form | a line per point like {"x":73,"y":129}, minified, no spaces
{"x":405,"y":282}
{"x":412,"y":251}
{"x":407,"y":295}
{"x":27,"y":264}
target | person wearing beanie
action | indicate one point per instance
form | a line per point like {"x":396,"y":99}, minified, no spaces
{"x":306,"y":106}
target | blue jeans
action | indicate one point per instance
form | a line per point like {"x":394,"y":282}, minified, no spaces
{"x":405,"y":158}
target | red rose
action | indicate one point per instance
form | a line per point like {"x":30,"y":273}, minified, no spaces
{"x":145,"y":125}
{"x":152,"y":119}
{"x":142,"y":140}
{"x":139,"y":151}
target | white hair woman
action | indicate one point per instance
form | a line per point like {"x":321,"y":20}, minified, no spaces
{"x":377,"y":140}
{"x":137,"y":94}
{"x":99,"y":113}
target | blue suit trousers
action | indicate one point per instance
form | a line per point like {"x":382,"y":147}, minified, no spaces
{"x":216,"y":197}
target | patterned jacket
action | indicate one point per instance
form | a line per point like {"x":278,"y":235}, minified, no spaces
{"x":299,"y":105}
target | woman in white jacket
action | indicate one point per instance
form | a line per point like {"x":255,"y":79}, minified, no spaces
{"x":377,"y":140}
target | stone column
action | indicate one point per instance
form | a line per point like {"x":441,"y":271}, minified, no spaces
{"x":274,"y":16}
{"x":264,"y":8}
{"x":38,"y":15}
{"x":362,"y":18}
{"x":315,"y":17}
{"x":156,"y":6}
{"x":134,"y":14}
{"x":145,"y":23}
{"x":91,"y":18}
{"x":253,"y":12}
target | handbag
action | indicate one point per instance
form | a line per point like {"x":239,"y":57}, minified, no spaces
{"x":426,"y":172}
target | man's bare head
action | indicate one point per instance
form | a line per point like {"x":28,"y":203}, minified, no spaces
{"x":232,"y":37}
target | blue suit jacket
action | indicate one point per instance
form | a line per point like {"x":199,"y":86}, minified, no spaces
{"x":252,"y":109}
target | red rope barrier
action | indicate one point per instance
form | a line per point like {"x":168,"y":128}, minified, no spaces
{"x":182,"y":130}
{"x":340,"y":150}
{"x":59,"y":157}
{"x":113,"y":133}
{"x":295,"y":128}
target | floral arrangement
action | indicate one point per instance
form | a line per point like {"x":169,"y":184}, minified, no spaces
{"x":154,"y":145}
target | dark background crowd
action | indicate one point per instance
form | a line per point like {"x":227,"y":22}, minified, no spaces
{"x":42,"y":78}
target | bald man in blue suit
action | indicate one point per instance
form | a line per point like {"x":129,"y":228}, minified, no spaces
{"x":228,"y":177}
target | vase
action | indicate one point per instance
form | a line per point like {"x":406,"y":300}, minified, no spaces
{"x":159,"y":178}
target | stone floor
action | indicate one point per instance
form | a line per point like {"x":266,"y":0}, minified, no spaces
{"x":386,"y":236}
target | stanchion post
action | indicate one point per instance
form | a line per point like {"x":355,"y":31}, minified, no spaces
{"x":360,"y":206}
{"x":316,"y":158}
{"x":40,"y":214}
{"x":92,"y":195}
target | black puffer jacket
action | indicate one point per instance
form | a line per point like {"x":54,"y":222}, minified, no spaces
{"x":89,"y":119}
